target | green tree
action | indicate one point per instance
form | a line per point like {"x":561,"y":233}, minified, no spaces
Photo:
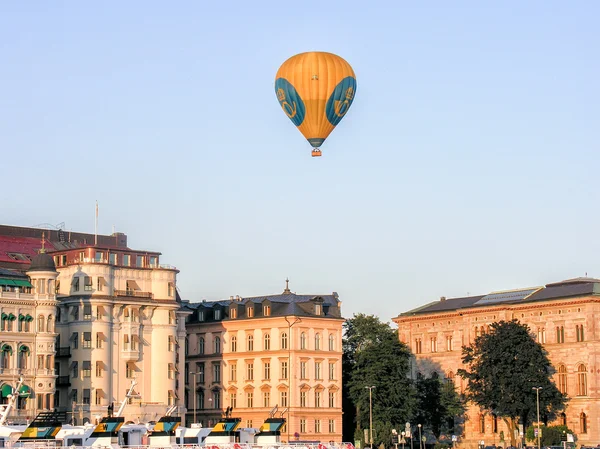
{"x":550,"y":435}
{"x":373,"y":356}
{"x":503,"y":367}
{"x":438,"y":404}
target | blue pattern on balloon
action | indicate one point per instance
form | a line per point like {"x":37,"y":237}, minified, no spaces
{"x":290,"y":101}
{"x":340,"y":100}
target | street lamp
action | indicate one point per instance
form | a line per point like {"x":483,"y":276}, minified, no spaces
{"x":195,"y":393}
{"x":419,"y":426}
{"x":289,"y":373}
{"x":371,"y":414}
{"x":537,"y":393}
{"x":403,"y":440}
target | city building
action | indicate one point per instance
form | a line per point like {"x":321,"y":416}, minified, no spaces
{"x":256,"y":355}
{"x":118,"y":318}
{"x":563,"y":316}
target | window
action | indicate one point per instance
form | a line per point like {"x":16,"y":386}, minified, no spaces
{"x":74,"y":395}
{"x":579,"y":332}
{"x":217,"y":345}
{"x":476,"y":331}
{"x":481,"y":423}
{"x":171,"y":293}
{"x":250,"y":343}
{"x":234,"y":344}
{"x":41,"y":323}
{"x":200,"y":315}
{"x":317,"y":342}
{"x":233,"y":400}
{"x":303,"y":374}
{"x":126,"y":342}
{"x":284,"y":341}
{"x":563,"y":419}
{"x":494,"y":424}
{"x":99,"y":256}
{"x":126,"y":260}
{"x":433,"y":344}
{"x":331,"y":399}
{"x":317,"y":426}
{"x":249,"y":399}
{"x":581,"y":380}
{"x":63,"y":259}
{"x":249,"y":423}
{"x":129,"y":370}
{"x":267,"y":342}
{"x":303,"y":425}
{"x":250,"y":311}
{"x":562,"y":379}
{"x":331,"y":342}
{"x":449,"y":343}
{"x":87,"y":340}
{"x":98,"y":394}
{"x":302,"y":340}
{"x":303,"y":399}
{"x":201,"y":345}
{"x":99,"y":340}
{"x":283,"y":398}
{"x":98,"y":369}
{"x":284,"y":370}
{"x":86,"y":368}
{"x":154,"y":261}
{"x":75,"y":312}
{"x":87,"y":284}
{"x":267,"y":371}
{"x":233,"y":372}
{"x":75,"y":370}
{"x":233,"y":313}
{"x":216,"y":372}
{"x":112,"y":258}
{"x":318,"y":373}
{"x":582,"y":423}
{"x":331,"y":425}
{"x":266,"y":310}
{"x":217,"y":314}
{"x":560,"y":334}
{"x":99,"y":312}
{"x":317,"y":399}
{"x":172,"y":317}
{"x":87,"y":312}
{"x":200,"y":371}
{"x":318,"y":309}
{"x":541,"y":335}
{"x":171,"y":344}
{"x":75,"y":340}
{"x":249,"y":371}
{"x":331,"y":370}
{"x":139,"y":261}
{"x":266,"y":399}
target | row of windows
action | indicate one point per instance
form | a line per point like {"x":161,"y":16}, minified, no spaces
{"x":433,"y":344}
{"x":130,"y":315}
{"x":23,"y":358}
{"x":266,"y":343}
{"x":110,"y":258}
{"x":560,"y":334}
{"x":23,"y":323}
{"x":250,"y":311}
{"x":581,"y":372}
{"x":266,"y":371}
{"x":265,"y":399}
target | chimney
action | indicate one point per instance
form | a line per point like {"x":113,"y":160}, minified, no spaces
{"x":231,"y":298}
{"x":442,"y":298}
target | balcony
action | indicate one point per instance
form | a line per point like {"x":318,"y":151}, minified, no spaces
{"x":130,"y":355}
{"x":63,"y":381}
{"x":63,"y":352}
{"x":134,"y":294}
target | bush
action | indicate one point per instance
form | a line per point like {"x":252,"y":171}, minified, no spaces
{"x":550,"y":435}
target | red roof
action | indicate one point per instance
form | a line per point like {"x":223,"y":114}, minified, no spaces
{"x":27,"y":246}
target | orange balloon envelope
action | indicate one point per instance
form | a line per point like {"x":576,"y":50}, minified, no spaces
{"x":315,"y":90}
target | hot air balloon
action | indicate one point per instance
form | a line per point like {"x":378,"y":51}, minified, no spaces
{"x":315,"y":90}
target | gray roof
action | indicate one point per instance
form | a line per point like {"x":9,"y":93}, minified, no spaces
{"x":4,"y":272}
{"x":564,"y":289}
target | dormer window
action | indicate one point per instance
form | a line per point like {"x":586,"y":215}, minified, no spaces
{"x":200,"y":315}
{"x":217,"y":314}
{"x":266,"y":310}
{"x":250,"y":311}
{"x":233,"y":313}
{"x":318,"y":309}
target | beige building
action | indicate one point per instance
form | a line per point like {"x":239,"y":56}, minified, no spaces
{"x":255,"y":354}
{"x":27,"y":337}
{"x":563,"y":316}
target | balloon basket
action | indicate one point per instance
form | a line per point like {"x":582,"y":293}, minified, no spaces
{"x":316,"y":152}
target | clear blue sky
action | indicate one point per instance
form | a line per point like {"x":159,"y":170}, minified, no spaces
{"x":467,"y":163}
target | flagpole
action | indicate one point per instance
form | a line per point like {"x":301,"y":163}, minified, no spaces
{"x":96,"y":226}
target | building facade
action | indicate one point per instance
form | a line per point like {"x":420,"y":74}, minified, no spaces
{"x":280,"y":353}
{"x":563,"y":316}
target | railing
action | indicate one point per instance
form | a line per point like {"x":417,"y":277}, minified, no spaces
{"x":134,"y":293}
{"x":63,"y":352}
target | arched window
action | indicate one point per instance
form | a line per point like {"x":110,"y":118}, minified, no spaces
{"x":582,"y":380}
{"x":317,"y":342}
{"x":201,"y":345}
{"x":331,"y":342}
{"x":41,"y":322}
{"x":267,"y":342}
{"x":582,"y":423}
{"x":250,"y":343}
{"x":6,"y":352}
{"x":476,"y":332}
{"x":217,"y":345}
{"x":562,"y":379}
{"x":50,"y":324}
{"x":482,"y":423}
{"x":284,"y":341}
{"x":302,"y":340}
{"x":450,"y":378}
{"x":23,"y":357}
{"x":234,"y":344}
{"x":563,"y":419}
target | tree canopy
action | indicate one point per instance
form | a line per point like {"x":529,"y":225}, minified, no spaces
{"x":503,"y":367}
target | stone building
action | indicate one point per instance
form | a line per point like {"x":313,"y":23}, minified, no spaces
{"x":255,"y":354}
{"x":563,"y":316}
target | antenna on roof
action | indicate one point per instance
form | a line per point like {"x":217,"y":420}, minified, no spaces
{"x":96,"y":226}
